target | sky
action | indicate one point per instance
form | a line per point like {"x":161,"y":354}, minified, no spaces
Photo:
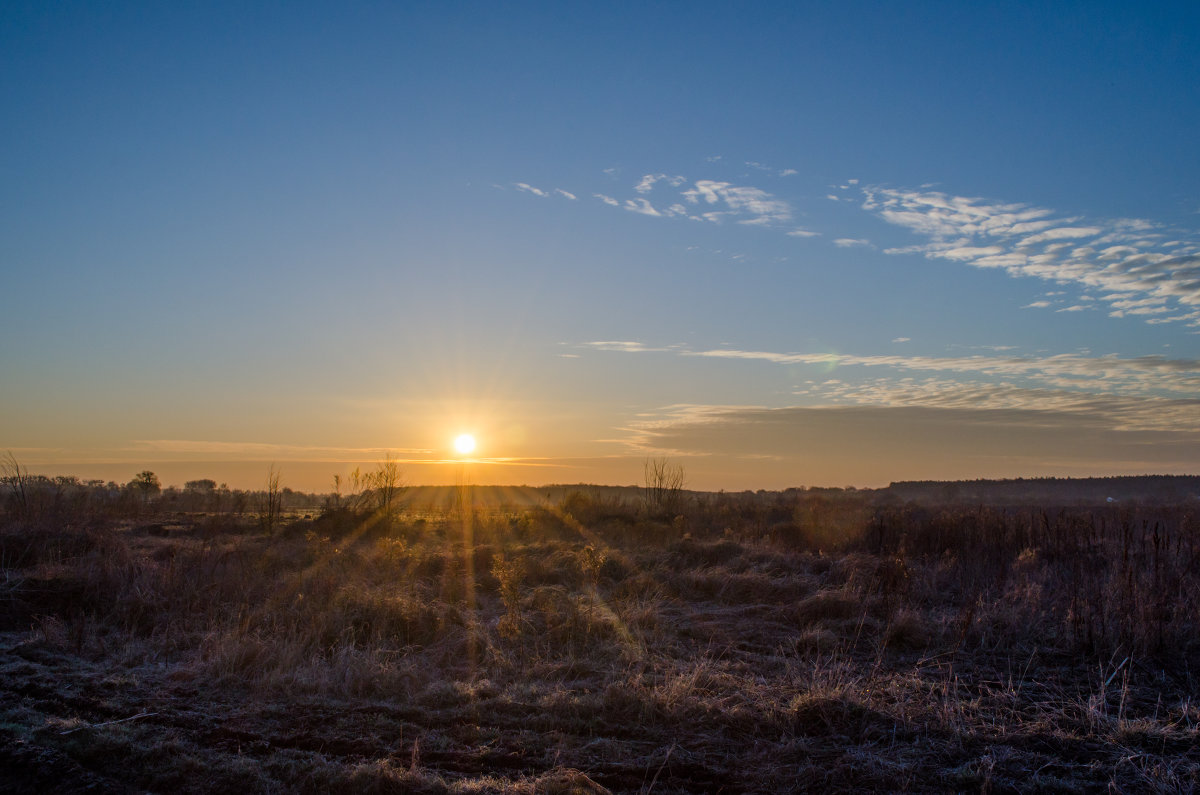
{"x":782,"y":244}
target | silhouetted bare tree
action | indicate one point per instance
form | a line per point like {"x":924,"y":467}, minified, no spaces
{"x":272,"y":501}
{"x":664,"y":485}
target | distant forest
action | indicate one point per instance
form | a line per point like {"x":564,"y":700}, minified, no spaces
{"x":25,"y":494}
{"x":1066,"y":491}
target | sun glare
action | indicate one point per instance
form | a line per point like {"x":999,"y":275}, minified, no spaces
{"x":465,"y":444}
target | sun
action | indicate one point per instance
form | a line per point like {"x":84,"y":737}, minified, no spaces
{"x":465,"y":444}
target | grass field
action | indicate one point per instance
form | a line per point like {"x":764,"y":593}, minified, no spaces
{"x":746,"y":643}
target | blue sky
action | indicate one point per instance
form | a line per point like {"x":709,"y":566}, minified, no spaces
{"x":784,"y":244}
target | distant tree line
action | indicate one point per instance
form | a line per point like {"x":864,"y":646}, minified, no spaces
{"x":26,"y":496}
{"x":1165,"y":488}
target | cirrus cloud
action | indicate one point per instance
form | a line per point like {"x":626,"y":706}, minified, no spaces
{"x":1118,"y":259}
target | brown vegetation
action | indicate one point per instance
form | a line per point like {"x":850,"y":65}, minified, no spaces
{"x":807,"y":640}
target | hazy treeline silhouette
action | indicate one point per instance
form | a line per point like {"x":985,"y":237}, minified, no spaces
{"x":1164,"y":488}
{"x":63,"y":498}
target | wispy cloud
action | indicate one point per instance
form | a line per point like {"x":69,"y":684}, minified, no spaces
{"x":932,"y":441}
{"x":646,"y":433}
{"x":545,"y":194}
{"x":1120,"y":259}
{"x":264,"y":450}
{"x":209,"y":451}
{"x":1139,"y":375}
{"x":1119,"y":412}
{"x":761,"y":206}
{"x":778,"y":172}
{"x":642,"y":206}
{"x":621,"y":345}
{"x":1142,"y":375}
{"x":524,"y":186}
{"x":946,"y":417}
{"x":647,"y":183}
{"x":849,"y":242}
{"x":706,"y":200}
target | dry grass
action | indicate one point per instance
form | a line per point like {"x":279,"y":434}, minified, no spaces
{"x":922,"y":650}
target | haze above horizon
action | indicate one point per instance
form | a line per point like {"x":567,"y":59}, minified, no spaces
{"x":782,"y":244}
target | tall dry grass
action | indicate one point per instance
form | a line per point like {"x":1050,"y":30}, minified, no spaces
{"x":985,"y":647}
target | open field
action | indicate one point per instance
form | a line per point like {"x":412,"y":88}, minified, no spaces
{"x":823,"y":641}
